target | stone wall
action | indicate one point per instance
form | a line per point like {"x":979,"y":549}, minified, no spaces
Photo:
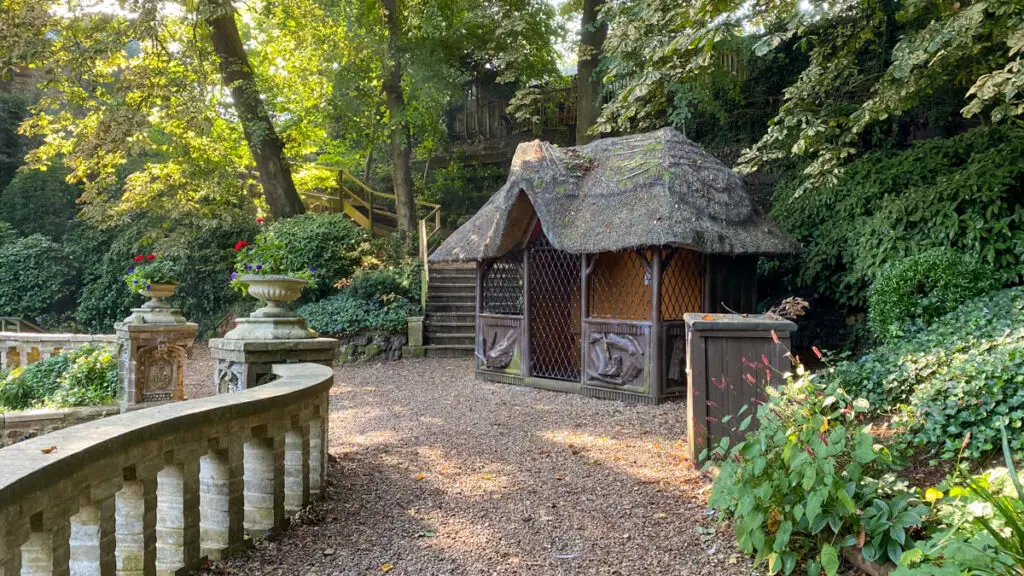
{"x":159,"y":491}
{"x":27,"y":424}
{"x":371,"y":346}
{"x":24,"y":348}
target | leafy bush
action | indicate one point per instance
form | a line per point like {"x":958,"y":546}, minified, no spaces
{"x":35,"y":276}
{"x":962,"y":374}
{"x":963,"y":192}
{"x":343,"y":313}
{"x":328,"y":243}
{"x":90,"y":379}
{"x":974,"y":530}
{"x":85,"y":376}
{"x":40,"y":202}
{"x":809,"y":479}
{"x":462,"y":189}
{"x":13,"y":146}
{"x":387,"y":284}
{"x":923,"y":287}
{"x":23,"y":388}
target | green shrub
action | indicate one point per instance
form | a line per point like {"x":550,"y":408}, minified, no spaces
{"x":342,"y":314}
{"x":23,"y":388}
{"x":963,"y":373}
{"x":387,"y":284}
{"x":36,"y":276}
{"x":331,"y":244}
{"x":963,"y":192}
{"x":7,"y":233}
{"x":90,"y":379}
{"x":808,"y":479}
{"x":85,"y":376}
{"x":462,"y":189}
{"x":13,"y":146}
{"x":40,"y":202}
{"x":921,"y":288}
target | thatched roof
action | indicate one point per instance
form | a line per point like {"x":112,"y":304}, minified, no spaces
{"x":651,"y":189}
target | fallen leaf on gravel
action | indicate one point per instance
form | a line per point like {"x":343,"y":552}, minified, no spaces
{"x":329,"y":552}
{"x":560,"y":476}
{"x":372,"y":388}
{"x":49,"y":450}
{"x":386,"y":567}
{"x":661,"y":515}
{"x":426,"y":534}
{"x":594,"y":462}
{"x":420,"y":476}
{"x":487,"y":476}
{"x":564,"y":556}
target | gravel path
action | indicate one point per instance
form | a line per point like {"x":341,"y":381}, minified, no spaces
{"x":434,"y":472}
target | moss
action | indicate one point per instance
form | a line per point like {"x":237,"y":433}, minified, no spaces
{"x":372,"y":351}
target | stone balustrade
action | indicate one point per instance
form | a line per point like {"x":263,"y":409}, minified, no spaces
{"x":24,"y":348}
{"x":160,"y":491}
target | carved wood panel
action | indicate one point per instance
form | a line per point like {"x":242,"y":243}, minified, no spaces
{"x":499,"y":344}
{"x":618,"y":354}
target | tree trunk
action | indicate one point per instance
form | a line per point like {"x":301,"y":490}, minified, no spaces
{"x":264,"y":143}
{"x":588,"y":83}
{"x":401,"y":149}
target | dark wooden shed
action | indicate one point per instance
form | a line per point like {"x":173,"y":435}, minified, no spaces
{"x":588,"y":258}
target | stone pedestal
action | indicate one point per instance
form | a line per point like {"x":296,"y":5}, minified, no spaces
{"x":151,"y":359}
{"x":243,"y":364}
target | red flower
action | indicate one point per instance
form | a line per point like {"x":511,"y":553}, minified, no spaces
{"x":240,"y":244}
{"x":139,"y":258}
{"x":151,"y":257}
{"x":816,"y":352}
{"x":259,"y":220}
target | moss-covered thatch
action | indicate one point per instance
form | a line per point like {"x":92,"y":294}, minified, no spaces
{"x":653,"y":189}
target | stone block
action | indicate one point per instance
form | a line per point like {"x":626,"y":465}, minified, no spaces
{"x":414,"y":351}
{"x":415,"y":330}
{"x":372,"y":351}
{"x":243,"y":364}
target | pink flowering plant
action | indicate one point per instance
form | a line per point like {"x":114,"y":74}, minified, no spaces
{"x":808,"y":479}
{"x":148,"y":270}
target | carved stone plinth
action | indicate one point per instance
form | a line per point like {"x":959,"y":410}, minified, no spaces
{"x":243,"y":364}
{"x":151,"y":362}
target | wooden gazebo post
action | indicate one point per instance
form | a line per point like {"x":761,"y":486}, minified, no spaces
{"x":656,"y":332}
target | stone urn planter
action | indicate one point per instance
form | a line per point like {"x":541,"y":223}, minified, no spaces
{"x":156,"y":311}
{"x":275,"y":321}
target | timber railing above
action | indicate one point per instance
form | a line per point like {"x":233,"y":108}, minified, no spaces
{"x":159,"y":490}
{"x":10,"y":324}
{"x":24,"y":348}
{"x":378,"y":213}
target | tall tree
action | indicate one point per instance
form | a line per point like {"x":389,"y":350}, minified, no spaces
{"x":266,"y":146}
{"x":399,"y":133}
{"x":593,"y":31}
{"x":412,"y":59}
{"x":170,"y":89}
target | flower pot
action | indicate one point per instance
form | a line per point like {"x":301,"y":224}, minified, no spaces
{"x":274,"y":291}
{"x":156,"y":311}
{"x":156,"y":293}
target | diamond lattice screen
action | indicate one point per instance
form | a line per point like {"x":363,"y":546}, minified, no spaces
{"x":554,"y":312}
{"x":503,"y":285}
{"x":620,"y":287}
{"x":682,"y":283}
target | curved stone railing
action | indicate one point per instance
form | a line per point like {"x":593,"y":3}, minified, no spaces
{"x":24,"y":348}
{"x":158,"y":491}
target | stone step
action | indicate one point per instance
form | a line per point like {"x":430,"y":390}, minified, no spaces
{"x":451,"y":298}
{"x":454,"y":317}
{"x":442,"y":289}
{"x":452,"y":284}
{"x":451,"y":307}
{"x":463,"y":274}
{"x":443,"y":338}
{"x":448,"y":351}
{"x":450,"y":328}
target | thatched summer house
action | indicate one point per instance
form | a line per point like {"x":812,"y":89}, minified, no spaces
{"x":588,"y":257}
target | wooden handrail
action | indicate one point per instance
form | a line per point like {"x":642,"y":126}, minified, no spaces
{"x":427,"y":226}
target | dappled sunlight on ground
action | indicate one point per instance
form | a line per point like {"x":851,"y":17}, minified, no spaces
{"x":435,"y":472}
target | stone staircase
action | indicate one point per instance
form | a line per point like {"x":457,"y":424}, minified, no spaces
{"x":449,"y":324}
